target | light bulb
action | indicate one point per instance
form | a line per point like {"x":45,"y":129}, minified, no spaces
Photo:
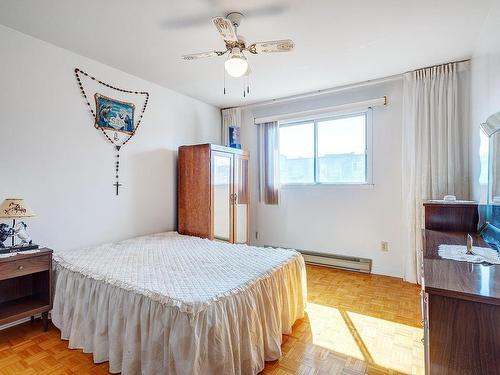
{"x":236,"y":65}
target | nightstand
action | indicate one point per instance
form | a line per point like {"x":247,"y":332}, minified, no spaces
{"x":26,"y":286}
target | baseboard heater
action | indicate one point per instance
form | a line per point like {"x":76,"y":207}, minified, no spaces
{"x":337,"y":261}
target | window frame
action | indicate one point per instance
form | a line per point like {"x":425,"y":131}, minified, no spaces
{"x":368,"y":113}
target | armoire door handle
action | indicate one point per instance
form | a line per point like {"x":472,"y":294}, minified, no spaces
{"x":233,"y":197}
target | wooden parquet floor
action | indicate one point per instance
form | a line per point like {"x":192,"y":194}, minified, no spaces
{"x":355,"y":324}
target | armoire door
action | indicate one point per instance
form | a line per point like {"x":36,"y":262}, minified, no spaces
{"x":241,"y":200}
{"x":222,"y":195}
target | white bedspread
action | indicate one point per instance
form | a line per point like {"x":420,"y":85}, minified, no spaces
{"x":168,"y":303}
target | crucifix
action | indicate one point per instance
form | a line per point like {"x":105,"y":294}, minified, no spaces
{"x":111,"y":115}
{"x":117,"y":167}
{"x":117,"y":185}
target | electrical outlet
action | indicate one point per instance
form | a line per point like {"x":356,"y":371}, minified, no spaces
{"x":384,"y":246}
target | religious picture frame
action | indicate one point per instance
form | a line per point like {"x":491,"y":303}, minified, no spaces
{"x":114,"y":115}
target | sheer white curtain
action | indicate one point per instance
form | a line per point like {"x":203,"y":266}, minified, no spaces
{"x":435,"y":147}
{"x":230,"y":117}
{"x":269,"y":162}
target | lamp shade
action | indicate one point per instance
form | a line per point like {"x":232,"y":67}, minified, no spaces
{"x":13,"y":208}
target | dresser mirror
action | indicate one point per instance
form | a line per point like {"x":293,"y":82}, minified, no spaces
{"x":491,"y":128}
{"x":490,"y":213}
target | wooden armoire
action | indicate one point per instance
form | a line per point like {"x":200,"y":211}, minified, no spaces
{"x":213,"y":193}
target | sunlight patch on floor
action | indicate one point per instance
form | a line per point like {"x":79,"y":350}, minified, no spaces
{"x":376,"y":341}
{"x":330,"y":331}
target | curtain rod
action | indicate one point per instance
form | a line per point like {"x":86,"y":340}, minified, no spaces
{"x":324,"y":112}
{"x":321,"y":92}
{"x":436,"y":65}
{"x":338,"y":88}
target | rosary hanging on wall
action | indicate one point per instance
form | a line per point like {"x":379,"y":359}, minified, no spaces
{"x":113,"y":117}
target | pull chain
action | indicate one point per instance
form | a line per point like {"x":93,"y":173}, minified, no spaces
{"x":224,"y":81}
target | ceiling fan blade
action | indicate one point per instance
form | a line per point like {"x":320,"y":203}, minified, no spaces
{"x":284,"y":45}
{"x":225,"y":28}
{"x":202,"y":55}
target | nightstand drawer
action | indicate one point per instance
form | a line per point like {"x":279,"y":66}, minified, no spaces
{"x":25,"y":266}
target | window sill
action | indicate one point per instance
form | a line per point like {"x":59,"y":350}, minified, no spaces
{"x":328,"y":186}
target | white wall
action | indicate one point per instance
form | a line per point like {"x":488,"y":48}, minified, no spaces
{"x":347,"y":220}
{"x":51,"y":154}
{"x":485,"y":84}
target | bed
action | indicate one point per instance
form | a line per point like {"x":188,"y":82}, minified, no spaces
{"x":173,"y":304}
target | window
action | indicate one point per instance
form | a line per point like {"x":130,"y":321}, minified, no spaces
{"x":325,"y":151}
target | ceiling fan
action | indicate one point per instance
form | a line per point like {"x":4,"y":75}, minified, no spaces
{"x":237,"y":65}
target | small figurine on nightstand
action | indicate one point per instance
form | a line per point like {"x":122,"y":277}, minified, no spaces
{"x":20,"y":232}
{"x":15,"y":208}
{"x":5,"y":232}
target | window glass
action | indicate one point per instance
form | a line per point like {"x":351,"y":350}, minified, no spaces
{"x":342,"y":150}
{"x":297,"y":153}
{"x":329,"y":151}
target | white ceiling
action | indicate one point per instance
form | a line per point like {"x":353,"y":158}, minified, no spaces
{"x":337,"y":42}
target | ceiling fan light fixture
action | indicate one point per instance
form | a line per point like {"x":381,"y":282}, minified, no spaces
{"x":236,"y":65}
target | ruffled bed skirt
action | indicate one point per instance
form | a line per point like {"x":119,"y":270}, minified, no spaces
{"x":234,"y":335}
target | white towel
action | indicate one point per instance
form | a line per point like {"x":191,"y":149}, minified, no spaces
{"x":459,"y":252}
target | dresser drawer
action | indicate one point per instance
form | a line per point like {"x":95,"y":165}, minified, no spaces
{"x":25,"y":266}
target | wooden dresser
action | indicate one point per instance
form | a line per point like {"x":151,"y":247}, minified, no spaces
{"x":460,"y":300}
{"x":26,"y":286}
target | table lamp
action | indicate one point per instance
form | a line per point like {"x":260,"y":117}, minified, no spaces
{"x":16,"y":208}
